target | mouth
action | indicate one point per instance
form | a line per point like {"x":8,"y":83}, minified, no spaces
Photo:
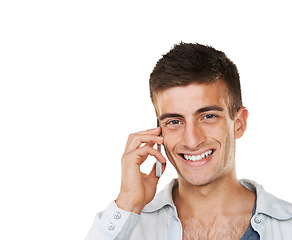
{"x":199,"y":157}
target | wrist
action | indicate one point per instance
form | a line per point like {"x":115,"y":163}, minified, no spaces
{"x":129,"y":206}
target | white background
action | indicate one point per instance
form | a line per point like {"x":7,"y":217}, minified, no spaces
{"x":74,"y":84}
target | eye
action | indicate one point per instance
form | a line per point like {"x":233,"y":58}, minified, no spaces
{"x":173,"y":122}
{"x":209,"y":116}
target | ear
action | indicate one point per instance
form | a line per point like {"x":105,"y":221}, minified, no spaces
{"x":240,"y":122}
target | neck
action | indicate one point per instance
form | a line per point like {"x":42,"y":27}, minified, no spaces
{"x":224,"y":196}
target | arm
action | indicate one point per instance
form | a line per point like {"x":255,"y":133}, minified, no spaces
{"x":113,"y":223}
{"x":120,"y":218}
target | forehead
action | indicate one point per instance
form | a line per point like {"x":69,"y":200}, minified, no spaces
{"x":192,"y":97}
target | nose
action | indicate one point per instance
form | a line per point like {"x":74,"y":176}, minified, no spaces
{"x":193,"y":137}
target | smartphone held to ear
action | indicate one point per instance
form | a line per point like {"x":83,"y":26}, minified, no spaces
{"x":158,"y":164}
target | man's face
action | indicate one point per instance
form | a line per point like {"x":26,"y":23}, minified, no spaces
{"x":198,"y":132}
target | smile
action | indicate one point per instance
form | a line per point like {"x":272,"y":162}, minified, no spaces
{"x":198,"y":157}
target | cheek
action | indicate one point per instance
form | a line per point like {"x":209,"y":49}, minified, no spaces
{"x":228,"y":143}
{"x":169,"y":146}
{"x":220,"y":131}
{"x":217,"y":133}
{"x":169,"y":142}
{"x":171,"y":138}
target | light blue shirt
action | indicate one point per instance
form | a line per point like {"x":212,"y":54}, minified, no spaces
{"x":159,"y":219}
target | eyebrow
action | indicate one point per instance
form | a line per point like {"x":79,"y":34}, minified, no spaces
{"x":170,"y":115}
{"x":201,"y":110}
{"x":209,"y":108}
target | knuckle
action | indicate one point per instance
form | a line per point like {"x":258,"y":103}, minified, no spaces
{"x":150,"y":150}
{"x":131,"y":136}
{"x":125,"y":157}
{"x":147,"y":148}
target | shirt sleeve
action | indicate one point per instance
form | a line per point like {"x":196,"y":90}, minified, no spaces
{"x":113,"y":223}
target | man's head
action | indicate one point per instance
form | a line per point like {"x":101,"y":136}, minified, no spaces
{"x":196,"y":93}
{"x":194,"y":63}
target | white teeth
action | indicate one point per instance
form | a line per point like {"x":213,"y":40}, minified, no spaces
{"x":198,"y":157}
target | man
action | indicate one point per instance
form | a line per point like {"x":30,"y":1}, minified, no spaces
{"x":196,"y":93}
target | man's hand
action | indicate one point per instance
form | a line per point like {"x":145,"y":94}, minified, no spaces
{"x":137,"y":188}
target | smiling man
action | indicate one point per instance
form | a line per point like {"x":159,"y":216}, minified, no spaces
{"x":196,"y":93}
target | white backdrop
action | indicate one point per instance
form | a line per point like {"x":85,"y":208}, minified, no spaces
{"x":74,"y":84}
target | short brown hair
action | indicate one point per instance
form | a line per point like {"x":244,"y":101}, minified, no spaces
{"x":188,"y":63}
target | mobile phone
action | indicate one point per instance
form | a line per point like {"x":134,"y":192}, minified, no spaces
{"x":158,"y":164}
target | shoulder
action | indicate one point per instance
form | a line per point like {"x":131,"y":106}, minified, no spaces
{"x":267,"y":203}
{"x":273,"y":216}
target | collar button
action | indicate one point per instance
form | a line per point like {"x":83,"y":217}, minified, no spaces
{"x":257,"y":220}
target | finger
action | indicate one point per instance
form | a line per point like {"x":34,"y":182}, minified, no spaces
{"x":150,"y":144}
{"x":140,"y":155}
{"x":154,"y":131}
{"x":151,"y":151}
{"x":135,"y":141}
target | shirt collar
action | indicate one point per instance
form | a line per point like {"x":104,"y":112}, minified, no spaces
{"x":162,"y":199}
{"x":266,"y":202}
